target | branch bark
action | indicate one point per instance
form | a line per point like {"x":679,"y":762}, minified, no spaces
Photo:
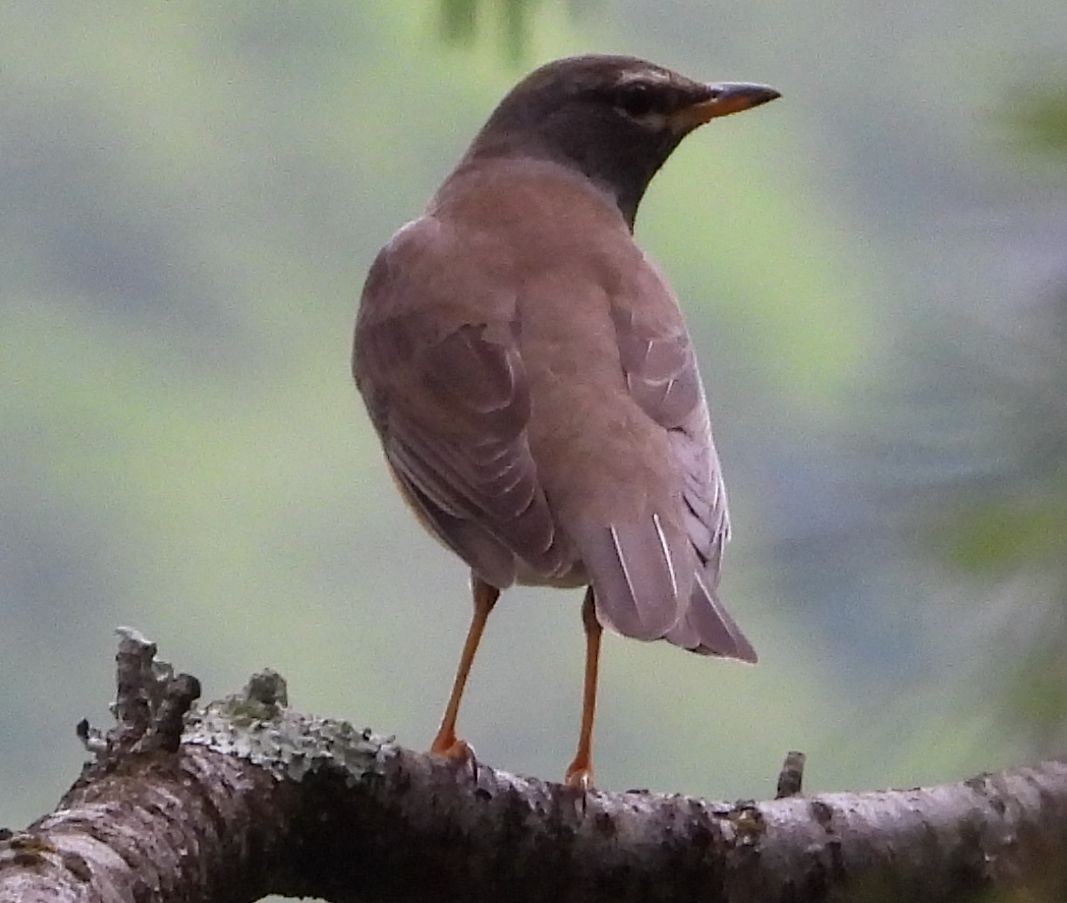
{"x":249,"y":797}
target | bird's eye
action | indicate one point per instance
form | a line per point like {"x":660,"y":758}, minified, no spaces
{"x":636,"y":99}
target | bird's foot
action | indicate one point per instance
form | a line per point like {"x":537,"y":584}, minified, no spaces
{"x":457,"y":751}
{"x":579,"y":777}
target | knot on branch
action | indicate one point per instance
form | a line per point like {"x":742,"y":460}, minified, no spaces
{"x":791,"y":777}
{"x":151,"y":702}
{"x":268,"y":689}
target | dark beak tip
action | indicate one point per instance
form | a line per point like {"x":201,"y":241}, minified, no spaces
{"x":733,"y":97}
{"x":761,"y":94}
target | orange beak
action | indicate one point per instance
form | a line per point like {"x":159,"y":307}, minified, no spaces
{"x":726,"y":98}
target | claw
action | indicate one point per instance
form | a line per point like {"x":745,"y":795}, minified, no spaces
{"x":579,"y":778}
{"x":458,"y":752}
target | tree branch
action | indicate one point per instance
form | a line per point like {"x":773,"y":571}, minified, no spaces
{"x":257,"y":798}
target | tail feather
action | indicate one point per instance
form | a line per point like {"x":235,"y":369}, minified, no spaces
{"x":707,"y":628}
{"x":649,"y":584}
{"x":641,"y":574}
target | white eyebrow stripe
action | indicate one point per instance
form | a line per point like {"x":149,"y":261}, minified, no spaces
{"x":645,"y":75}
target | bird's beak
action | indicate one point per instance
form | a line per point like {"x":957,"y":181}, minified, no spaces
{"x":726,"y":98}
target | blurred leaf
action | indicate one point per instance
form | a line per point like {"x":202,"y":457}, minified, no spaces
{"x":1042,"y":117}
{"x":997,"y":536}
{"x":459,"y":23}
{"x":516,"y":27}
{"x":459,"y":20}
{"x":1008,"y":527}
{"x":1037,"y":697}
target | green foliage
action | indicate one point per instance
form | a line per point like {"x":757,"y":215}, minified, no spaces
{"x":1004,"y":534}
{"x":1041,"y":117}
{"x":460,"y":19}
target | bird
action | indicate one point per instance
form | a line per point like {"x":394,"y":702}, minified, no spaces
{"x":530,"y":375}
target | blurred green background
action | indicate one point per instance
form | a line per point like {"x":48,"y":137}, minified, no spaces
{"x":874,"y":269}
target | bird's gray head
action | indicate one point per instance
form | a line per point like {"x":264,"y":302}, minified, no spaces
{"x":614,"y":118}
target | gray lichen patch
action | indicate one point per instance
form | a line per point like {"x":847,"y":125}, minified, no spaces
{"x":256,"y":725}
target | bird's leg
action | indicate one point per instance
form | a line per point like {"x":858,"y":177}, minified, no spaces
{"x":446,"y":743}
{"x":580,"y":772}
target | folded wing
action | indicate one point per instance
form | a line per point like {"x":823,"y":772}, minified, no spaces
{"x":451,"y":405}
{"x":662,"y":377}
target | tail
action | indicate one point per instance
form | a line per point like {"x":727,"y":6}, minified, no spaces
{"x":641,"y":573}
{"x":707,"y":628}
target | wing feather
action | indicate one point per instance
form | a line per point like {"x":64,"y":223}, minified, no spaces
{"x":635,"y":583}
{"x":662,"y":377}
{"x":451,"y":405}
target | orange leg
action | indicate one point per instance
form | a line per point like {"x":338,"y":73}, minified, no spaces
{"x":580,"y":772}
{"x":446,"y":743}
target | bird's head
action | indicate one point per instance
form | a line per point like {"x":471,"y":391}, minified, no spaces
{"x":616,"y":119}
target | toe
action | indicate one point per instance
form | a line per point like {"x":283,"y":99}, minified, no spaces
{"x":580,"y":778}
{"x":459,"y":752}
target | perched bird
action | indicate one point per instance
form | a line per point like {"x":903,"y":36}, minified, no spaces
{"x":531,"y":377}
